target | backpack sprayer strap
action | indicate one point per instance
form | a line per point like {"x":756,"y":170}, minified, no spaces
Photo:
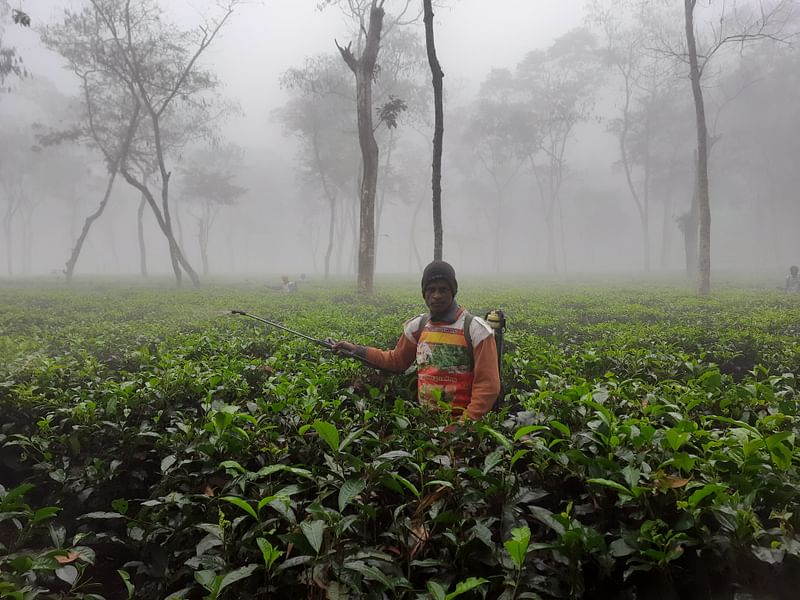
{"x":497,"y":321}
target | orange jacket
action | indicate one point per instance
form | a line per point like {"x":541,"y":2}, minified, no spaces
{"x":486,"y":376}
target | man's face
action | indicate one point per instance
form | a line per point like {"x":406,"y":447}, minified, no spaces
{"x":438,"y":296}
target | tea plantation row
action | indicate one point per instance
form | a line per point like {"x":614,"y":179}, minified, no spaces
{"x":154,"y":446}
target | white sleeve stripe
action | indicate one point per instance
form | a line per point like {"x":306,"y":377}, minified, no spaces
{"x":479,"y":330}
{"x":411,"y":328}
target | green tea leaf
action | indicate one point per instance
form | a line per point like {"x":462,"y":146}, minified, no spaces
{"x":436,"y":591}
{"x":703,"y":492}
{"x":517,"y":546}
{"x":45,"y":513}
{"x":244,"y":505}
{"x":503,"y":440}
{"x":208,"y":542}
{"x":268,"y":552}
{"x":327,"y":432}
{"x":492,"y":460}
{"x":232,"y":465}
{"x":780,"y":453}
{"x":466,"y":586}
{"x":58,"y":534}
{"x":126,"y":580}
{"x":676,"y":438}
{"x":523,"y":431}
{"x":67,"y":573}
{"x":209,"y":580}
{"x":349,"y":490}
{"x":167,"y":462}
{"x":611,"y":484}
{"x":313,"y":531}
{"x":370,"y":573}
{"x":120,"y":505}
{"x":271,"y":469}
{"x":406,"y":483}
{"x":394,"y":455}
{"x":560,"y":427}
{"x":237,"y":575}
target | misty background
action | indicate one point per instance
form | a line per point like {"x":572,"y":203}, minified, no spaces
{"x":523,"y":192}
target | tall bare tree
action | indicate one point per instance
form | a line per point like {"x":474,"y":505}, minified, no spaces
{"x":208,"y":185}
{"x":559,"y":85}
{"x":363,"y":62}
{"x":319,"y":114}
{"x":494,"y":133}
{"x":644,"y":79}
{"x":128,"y":48}
{"x":730,"y":26}
{"x":438,"y":131}
{"x":363,"y":67}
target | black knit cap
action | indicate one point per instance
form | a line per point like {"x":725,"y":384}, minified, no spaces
{"x":439,"y":269}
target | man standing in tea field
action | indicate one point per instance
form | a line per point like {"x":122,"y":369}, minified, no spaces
{"x":455,"y":351}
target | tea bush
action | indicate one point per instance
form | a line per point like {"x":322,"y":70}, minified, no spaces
{"x":153,"y":446}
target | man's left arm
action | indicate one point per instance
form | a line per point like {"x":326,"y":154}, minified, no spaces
{"x":486,"y":381}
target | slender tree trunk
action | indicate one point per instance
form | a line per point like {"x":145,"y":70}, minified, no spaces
{"x":498,"y":231}
{"x":438,"y":131}
{"x":703,"y":195}
{"x":140,"y":233}
{"x":174,"y":248}
{"x":73,"y":214}
{"x":27,"y":236}
{"x":232,"y":253}
{"x":413,"y":238}
{"x":119,"y":159}
{"x":552,"y":261}
{"x":689,"y":227}
{"x":644,"y":219}
{"x":140,"y":230}
{"x":177,"y":259}
{"x":8,"y":220}
{"x":690,"y":245}
{"x":76,"y":249}
{"x":342,"y":223}
{"x":203,"y":239}
{"x":552,"y":264}
{"x":369,"y":183}
{"x":563,"y":235}
{"x":330,"y":194}
{"x":112,"y":244}
{"x":666,"y":226}
{"x":179,"y":225}
{"x":364,"y":70}
{"x":646,"y":188}
{"x":329,"y":249}
{"x":382,"y":200}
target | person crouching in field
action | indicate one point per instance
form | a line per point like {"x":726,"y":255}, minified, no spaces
{"x":455,"y":351}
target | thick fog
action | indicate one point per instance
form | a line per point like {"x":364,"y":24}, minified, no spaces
{"x":542,"y":98}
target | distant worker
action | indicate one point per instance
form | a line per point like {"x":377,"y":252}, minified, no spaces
{"x":288,"y":286}
{"x":792,"y":283}
{"x":455,"y":351}
{"x":285,"y":286}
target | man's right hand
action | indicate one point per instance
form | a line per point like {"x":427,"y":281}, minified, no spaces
{"x":343,"y":347}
